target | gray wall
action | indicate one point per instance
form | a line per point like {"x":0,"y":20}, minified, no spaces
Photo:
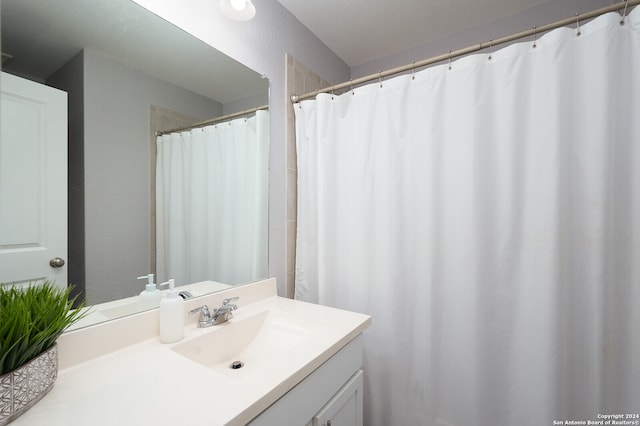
{"x":117,"y":103}
{"x":70,"y":78}
{"x":245,"y":104}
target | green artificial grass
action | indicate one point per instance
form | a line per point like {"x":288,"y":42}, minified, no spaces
{"x":31,"y":320}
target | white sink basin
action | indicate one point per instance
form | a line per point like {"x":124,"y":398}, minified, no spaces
{"x":264,"y":340}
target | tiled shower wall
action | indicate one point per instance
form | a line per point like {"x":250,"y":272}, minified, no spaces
{"x":300,"y":80}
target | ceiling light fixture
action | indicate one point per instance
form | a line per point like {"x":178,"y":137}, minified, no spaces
{"x":238,"y":10}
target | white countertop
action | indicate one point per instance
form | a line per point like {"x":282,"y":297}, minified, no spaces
{"x":147,"y":383}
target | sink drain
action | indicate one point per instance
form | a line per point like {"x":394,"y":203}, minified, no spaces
{"x":236,"y":364}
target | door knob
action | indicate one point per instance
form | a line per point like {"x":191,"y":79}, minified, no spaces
{"x":56,"y":262}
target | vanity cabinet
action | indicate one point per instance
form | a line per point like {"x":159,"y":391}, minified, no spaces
{"x":330,"y":396}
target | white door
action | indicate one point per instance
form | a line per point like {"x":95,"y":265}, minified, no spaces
{"x":33,"y":182}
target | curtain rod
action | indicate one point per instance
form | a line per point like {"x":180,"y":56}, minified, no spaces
{"x":214,"y":120}
{"x":475,"y":48}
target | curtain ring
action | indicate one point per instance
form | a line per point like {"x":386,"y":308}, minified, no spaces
{"x":413,"y":70}
{"x":380,"y":78}
{"x":353,"y":92}
{"x":490,"y":47}
{"x":577,"y":25}
{"x":534,"y":36}
{"x":449,"y":58}
{"x":624,"y":12}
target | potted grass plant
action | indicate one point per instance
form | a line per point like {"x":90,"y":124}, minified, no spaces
{"x":31,"y":320}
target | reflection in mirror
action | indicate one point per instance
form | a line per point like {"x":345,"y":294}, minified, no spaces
{"x":128,"y":74}
{"x":211,"y":191}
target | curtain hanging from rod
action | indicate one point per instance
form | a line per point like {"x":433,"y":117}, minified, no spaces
{"x":212,"y":202}
{"x":487,"y":216}
{"x":533,"y":32}
{"x":215,"y":120}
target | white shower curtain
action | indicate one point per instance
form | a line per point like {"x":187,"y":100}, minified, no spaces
{"x":487,"y":216}
{"x":211,"y":202}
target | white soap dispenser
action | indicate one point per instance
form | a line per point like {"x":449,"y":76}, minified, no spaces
{"x":149,"y":297}
{"x":171,"y":315}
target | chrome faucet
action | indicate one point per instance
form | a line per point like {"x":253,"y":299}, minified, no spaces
{"x":222,"y":314}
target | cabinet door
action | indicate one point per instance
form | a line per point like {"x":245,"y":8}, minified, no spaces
{"x":345,"y":408}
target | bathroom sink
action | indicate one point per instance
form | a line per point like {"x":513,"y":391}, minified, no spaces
{"x":244,"y":345}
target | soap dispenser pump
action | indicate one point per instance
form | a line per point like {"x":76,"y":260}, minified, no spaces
{"x":149,"y":297}
{"x":171,"y":315}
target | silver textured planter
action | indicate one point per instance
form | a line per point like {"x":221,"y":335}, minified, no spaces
{"x":21,"y":388}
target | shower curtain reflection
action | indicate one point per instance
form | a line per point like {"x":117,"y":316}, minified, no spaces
{"x":211,"y":198}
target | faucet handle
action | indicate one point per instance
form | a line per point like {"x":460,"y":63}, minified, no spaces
{"x":205,"y":314}
{"x":227,"y":303}
{"x":229,"y":300}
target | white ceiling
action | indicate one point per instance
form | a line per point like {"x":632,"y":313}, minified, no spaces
{"x":43,"y":35}
{"x":361,"y":31}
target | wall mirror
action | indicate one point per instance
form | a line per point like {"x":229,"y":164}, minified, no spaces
{"x":128,"y":73}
